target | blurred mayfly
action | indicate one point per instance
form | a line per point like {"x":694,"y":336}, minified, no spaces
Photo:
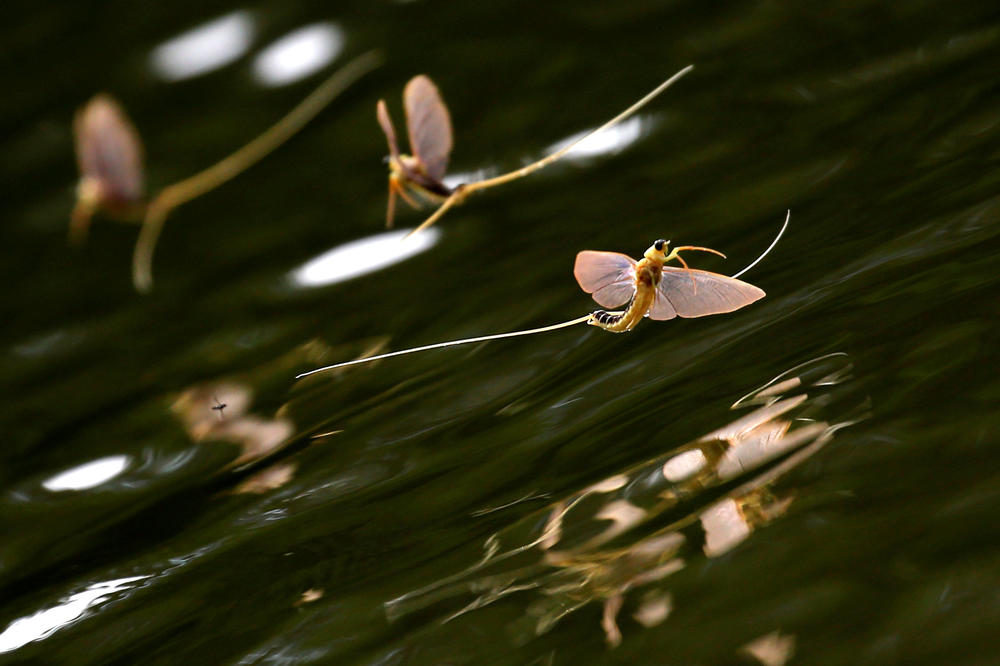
{"x":419,"y":178}
{"x":109,"y":154}
{"x":651,"y":289}
{"x":429,"y":127}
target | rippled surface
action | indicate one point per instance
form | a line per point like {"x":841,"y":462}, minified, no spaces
{"x":170,"y":494}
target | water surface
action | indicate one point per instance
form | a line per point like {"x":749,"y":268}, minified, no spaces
{"x":142,"y":526}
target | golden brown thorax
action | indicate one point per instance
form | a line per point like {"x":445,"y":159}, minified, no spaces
{"x":648,"y":273}
{"x":409,"y":174}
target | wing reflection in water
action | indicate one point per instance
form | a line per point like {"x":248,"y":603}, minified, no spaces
{"x":632,"y":531}
{"x":220,"y":412}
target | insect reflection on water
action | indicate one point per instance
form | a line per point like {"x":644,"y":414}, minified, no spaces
{"x":628,"y":534}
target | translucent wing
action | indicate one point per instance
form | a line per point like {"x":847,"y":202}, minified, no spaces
{"x":108,"y":149}
{"x":429,"y":125}
{"x":386,"y":122}
{"x":609,"y":276}
{"x":694,"y":293}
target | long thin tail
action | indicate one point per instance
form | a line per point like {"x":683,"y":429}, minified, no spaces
{"x":514,"y":334}
{"x":451,"y":343}
{"x":549,"y":159}
{"x":466,"y":189}
{"x":228,"y":168}
{"x":769,"y":247}
{"x":452,"y":200}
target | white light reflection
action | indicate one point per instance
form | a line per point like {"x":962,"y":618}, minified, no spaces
{"x":363,"y":256}
{"x":456,"y":179}
{"x":43,"y":344}
{"x":44,"y":623}
{"x":205,"y":48}
{"x":609,"y":142}
{"x":298,"y":54}
{"x":88,"y":475}
{"x":684,"y":465}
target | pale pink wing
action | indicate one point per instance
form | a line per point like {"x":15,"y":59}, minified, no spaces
{"x":694,"y":293}
{"x":108,"y":148}
{"x":386,"y":122}
{"x":609,"y":276}
{"x":429,"y":125}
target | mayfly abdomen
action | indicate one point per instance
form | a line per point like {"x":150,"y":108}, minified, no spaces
{"x":609,"y":321}
{"x":606,"y":318}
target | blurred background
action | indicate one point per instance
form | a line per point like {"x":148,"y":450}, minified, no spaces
{"x":341,"y":519}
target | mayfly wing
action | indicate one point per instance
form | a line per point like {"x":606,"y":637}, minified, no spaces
{"x":386,"y":122}
{"x":608,"y":276}
{"x":694,"y":293}
{"x":429,"y":125}
{"x":108,"y":149}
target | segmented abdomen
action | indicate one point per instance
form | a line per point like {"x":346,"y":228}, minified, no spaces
{"x":606,"y":318}
{"x":637,"y":309}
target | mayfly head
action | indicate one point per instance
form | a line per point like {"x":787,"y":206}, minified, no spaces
{"x":658,"y":251}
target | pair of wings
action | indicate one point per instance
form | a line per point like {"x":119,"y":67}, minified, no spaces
{"x":428,"y":124}
{"x":610,"y":278}
{"x":108,"y":149}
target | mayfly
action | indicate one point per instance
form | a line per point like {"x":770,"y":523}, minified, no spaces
{"x":419,"y":177}
{"x":651,"y":289}
{"x":109,"y":154}
{"x":654,"y":290}
{"x":429,"y":125}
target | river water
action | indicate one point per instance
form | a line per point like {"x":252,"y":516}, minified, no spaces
{"x":809,"y":480}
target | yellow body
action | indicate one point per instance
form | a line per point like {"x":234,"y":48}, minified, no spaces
{"x":403,"y":172}
{"x":648,"y":273}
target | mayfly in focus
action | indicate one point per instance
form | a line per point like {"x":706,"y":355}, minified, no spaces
{"x":654,"y":290}
{"x":650,"y":288}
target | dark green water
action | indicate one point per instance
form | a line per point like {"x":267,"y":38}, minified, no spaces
{"x":876,"y":542}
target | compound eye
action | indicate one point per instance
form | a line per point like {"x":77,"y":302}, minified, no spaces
{"x":659,"y":245}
